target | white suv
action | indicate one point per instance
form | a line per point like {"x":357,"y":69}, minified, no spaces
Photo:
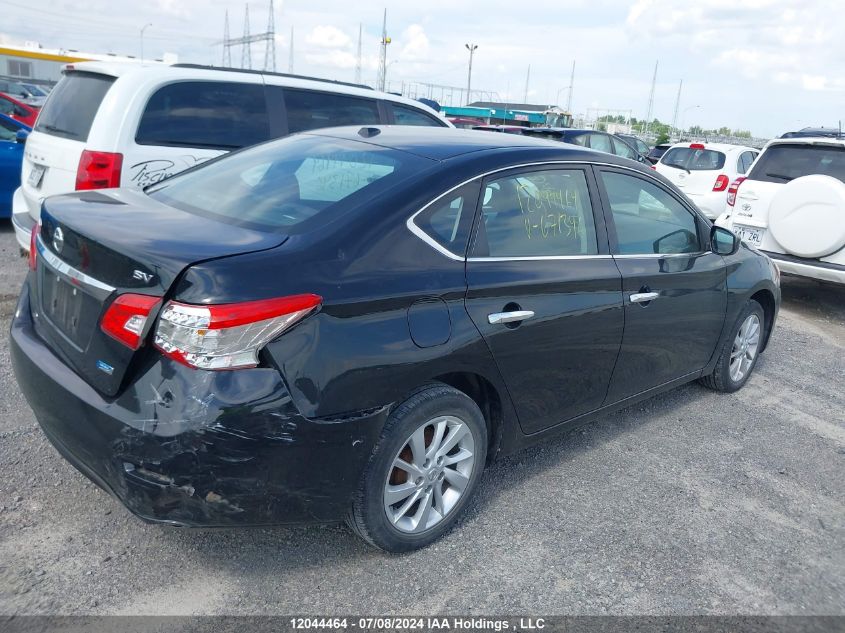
{"x":792,"y":206}
{"x":703,"y":171}
{"x":131,"y":125}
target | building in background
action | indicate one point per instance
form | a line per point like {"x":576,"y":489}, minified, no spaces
{"x":524,"y":114}
{"x":31,"y":64}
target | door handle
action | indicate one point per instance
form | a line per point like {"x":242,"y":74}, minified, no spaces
{"x":509,"y":317}
{"x":643,"y":297}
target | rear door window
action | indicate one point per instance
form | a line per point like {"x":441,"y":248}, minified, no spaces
{"x":694,"y":159}
{"x":601,"y":142}
{"x":72,"y":105}
{"x":8,"y":131}
{"x":404,"y":115}
{"x":782,"y":163}
{"x":310,"y":110}
{"x":536,"y":214}
{"x":205,"y":114}
{"x":623,"y":149}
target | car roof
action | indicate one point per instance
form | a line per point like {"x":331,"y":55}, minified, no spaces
{"x":445,"y":143}
{"x":182,"y":72}
{"x":727,"y":148}
{"x":807,"y":140}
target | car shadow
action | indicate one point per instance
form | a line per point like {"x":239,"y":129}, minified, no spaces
{"x":289,"y":548}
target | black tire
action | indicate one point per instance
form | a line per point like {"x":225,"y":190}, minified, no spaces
{"x":368,"y":516}
{"x":720,"y":379}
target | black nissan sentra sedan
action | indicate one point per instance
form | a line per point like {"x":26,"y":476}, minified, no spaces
{"x":351,"y":323}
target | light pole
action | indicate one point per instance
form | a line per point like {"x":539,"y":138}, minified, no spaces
{"x":683,"y":116}
{"x":143,"y":28}
{"x":471,"y":48}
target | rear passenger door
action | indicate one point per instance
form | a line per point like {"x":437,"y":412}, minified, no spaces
{"x":674,"y":287}
{"x":544,"y":291}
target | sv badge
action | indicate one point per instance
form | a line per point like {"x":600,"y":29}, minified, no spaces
{"x":140,"y":275}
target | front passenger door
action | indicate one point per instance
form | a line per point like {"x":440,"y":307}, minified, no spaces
{"x":674,"y":287}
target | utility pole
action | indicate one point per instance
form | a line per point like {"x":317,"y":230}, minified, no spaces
{"x":270,"y":46}
{"x":471,"y":48}
{"x":227,"y":46}
{"x":571,"y":87}
{"x":358,"y":60}
{"x":650,"y":110}
{"x":382,"y":62}
{"x":290,"y":53}
{"x":677,"y":105}
{"x":246,"y":50}
{"x":527,"y":80}
{"x":143,"y":28}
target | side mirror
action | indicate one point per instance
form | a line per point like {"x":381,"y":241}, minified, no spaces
{"x":21,"y":136}
{"x":723,"y":241}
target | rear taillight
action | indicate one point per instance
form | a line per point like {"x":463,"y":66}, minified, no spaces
{"x":33,"y":246}
{"x":126,"y":318}
{"x":722,"y":182}
{"x":98,"y":170}
{"x":227,"y":336}
{"x":732,"y":191}
{"x":696,"y":145}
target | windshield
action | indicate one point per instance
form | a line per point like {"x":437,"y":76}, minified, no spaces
{"x":782,"y":163}
{"x":281,"y":185}
{"x":70,"y":110}
{"x":692,"y":159}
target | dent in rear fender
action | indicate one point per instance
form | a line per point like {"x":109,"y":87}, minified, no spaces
{"x":334,"y":363}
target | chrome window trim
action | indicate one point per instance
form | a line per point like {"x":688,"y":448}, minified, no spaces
{"x":425,"y":237}
{"x":660,"y":255}
{"x":86,"y":281}
{"x":537,"y":258}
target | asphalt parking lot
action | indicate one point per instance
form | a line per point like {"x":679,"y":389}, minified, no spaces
{"x":693,"y":502}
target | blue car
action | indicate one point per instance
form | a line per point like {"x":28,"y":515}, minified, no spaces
{"x":11,"y":156}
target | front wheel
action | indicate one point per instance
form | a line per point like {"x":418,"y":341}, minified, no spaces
{"x":740,"y":351}
{"x":423,"y":472}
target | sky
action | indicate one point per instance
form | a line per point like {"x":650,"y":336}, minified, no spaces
{"x":767,"y":66}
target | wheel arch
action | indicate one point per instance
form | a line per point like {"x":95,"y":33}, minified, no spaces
{"x":488,"y":399}
{"x":766,"y":299}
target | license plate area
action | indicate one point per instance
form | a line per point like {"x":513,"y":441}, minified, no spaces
{"x":750,"y":235}
{"x":36,"y":176}
{"x":71,"y":311}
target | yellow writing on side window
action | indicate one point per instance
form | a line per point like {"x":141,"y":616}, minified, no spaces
{"x":544,"y":212}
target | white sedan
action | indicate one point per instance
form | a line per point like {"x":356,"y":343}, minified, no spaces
{"x":703,"y":171}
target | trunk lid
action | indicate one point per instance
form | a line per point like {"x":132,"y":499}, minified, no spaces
{"x":96,"y":245}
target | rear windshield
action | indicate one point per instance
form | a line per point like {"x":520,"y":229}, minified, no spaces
{"x":289,"y":184}
{"x":782,"y":163}
{"x":693,"y":159}
{"x":70,"y":110}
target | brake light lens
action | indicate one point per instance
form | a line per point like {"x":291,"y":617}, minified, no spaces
{"x":33,"y":246}
{"x":732,"y":191}
{"x":126,"y":318}
{"x":722,"y":182}
{"x":696,"y":145}
{"x":98,"y":170}
{"x":227,"y":336}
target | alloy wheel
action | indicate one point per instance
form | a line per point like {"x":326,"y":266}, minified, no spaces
{"x":744,"y":349}
{"x":429,"y":474}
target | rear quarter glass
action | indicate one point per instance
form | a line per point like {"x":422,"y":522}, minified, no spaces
{"x":291,"y":184}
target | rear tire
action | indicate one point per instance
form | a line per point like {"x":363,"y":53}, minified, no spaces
{"x":438,"y":437}
{"x":740,"y":351}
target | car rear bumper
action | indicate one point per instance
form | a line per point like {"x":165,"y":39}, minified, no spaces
{"x":22,"y":221}
{"x":824,"y":271}
{"x":194,"y":448}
